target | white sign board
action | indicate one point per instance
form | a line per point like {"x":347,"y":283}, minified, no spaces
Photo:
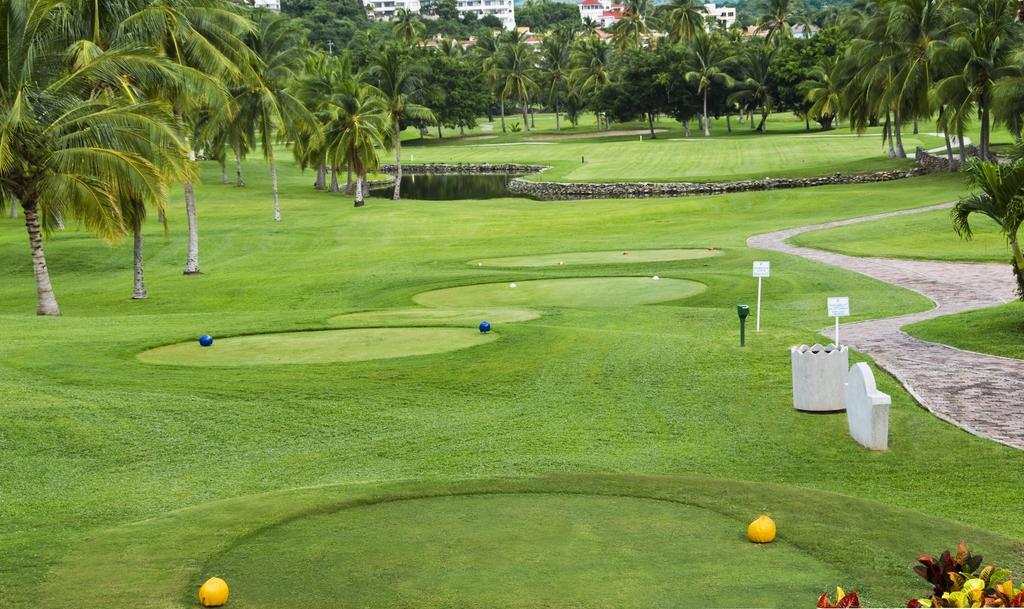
{"x":762,"y":268}
{"x":839,"y":306}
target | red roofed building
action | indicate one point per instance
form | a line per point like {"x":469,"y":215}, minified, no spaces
{"x":603,"y":12}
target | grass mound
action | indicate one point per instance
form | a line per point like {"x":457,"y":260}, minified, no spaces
{"x":583,"y":292}
{"x":529,"y":550}
{"x":318,"y":347}
{"x":602,"y":257}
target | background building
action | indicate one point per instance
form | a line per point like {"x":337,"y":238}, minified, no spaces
{"x":724,"y":16}
{"x":504,"y":10}
{"x":274,"y":5}
{"x":384,"y":10}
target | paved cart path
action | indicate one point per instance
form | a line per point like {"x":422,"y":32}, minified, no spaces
{"x":980,"y":393}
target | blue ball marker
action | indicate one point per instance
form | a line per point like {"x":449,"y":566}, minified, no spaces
{"x":485,"y":326}
{"x":205,"y":340}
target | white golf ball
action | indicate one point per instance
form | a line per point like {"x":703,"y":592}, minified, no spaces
{"x":512,"y":285}
{"x":561,"y":262}
{"x":655,"y":278}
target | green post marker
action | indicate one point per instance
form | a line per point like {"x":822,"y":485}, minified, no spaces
{"x":743,"y":311}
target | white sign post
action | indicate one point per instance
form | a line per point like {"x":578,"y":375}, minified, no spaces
{"x":762,"y":269}
{"x":838,"y":306}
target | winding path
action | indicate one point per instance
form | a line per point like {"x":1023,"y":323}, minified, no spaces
{"x":982,"y":394}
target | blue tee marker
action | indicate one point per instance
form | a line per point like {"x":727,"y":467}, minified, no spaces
{"x":205,"y":340}
{"x":485,"y":326}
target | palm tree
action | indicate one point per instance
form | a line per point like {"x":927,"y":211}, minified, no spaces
{"x":985,"y":34}
{"x":67,"y":150}
{"x":267,"y":100}
{"x":824,"y":93}
{"x":999,"y":195}
{"x":777,"y":20}
{"x":555,"y":70}
{"x":684,"y":19}
{"x":406,"y":26}
{"x":359,"y":127}
{"x":517,"y":65}
{"x":592,"y":61}
{"x":204,"y":37}
{"x":631,"y":30}
{"x":757,"y":89}
{"x":708,"y":58}
{"x":399,"y":80}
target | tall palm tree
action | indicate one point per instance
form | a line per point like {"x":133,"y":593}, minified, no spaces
{"x":708,"y":58}
{"x":359,"y":127}
{"x":324,"y":76}
{"x":985,"y":35}
{"x":777,"y":20}
{"x":399,"y":80}
{"x":683,"y":20}
{"x":592,"y":59}
{"x":65,"y":149}
{"x":204,"y":37}
{"x":518,"y":64}
{"x":757,"y":89}
{"x":555,"y":69}
{"x":999,"y":195}
{"x":267,"y":99}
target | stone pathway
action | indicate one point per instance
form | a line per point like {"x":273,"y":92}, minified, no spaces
{"x":982,"y":394}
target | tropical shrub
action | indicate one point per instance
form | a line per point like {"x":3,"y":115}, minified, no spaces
{"x":843,"y":599}
{"x":957,"y":581}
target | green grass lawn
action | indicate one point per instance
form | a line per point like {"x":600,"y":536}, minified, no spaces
{"x":997,"y":330}
{"x":126,"y":482}
{"x":786,"y":151}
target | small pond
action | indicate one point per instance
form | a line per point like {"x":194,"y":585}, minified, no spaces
{"x":451,"y":186}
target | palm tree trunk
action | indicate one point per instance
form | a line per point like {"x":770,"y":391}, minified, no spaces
{"x":526,"y":119}
{"x":335,"y":187}
{"x":440,"y":135}
{"x":46,"y":302}
{"x":239,"y":180}
{"x":359,"y":191}
{"x":963,"y":149}
{"x":503,"y":115}
{"x":139,"y":293}
{"x":1018,"y":263}
{"x":686,"y":128}
{"x":533,"y":119}
{"x":807,"y":121}
{"x":887,"y":134}
{"x":763,"y":126}
{"x":949,"y":149}
{"x":13,"y":214}
{"x":223,"y":170}
{"x":898,"y":129}
{"x":321,"y":177}
{"x":650,"y":125}
{"x":984,"y":132}
{"x":916,"y":130}
{"x":192,"y":261}
{"x":558,"y":125}
{"x":273,"y":185}
{"x":728,"y":122}
{"x":707,"y":123}
{"x":348,"y":184}
{"x":398,"y":160}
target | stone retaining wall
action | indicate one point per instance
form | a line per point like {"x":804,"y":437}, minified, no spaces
{"x":629,"y":190}
{"x":442,"y":168}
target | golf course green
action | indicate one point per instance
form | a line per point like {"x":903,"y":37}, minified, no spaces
{"x":582,"y":292}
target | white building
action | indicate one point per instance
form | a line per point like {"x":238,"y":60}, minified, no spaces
{"x":274,"y":5}
{"x":721,"y":16}
{"x":384,"y":10}
{"x":602,"y":12}
{"x":504,"y":10}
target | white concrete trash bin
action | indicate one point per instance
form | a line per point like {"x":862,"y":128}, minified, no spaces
{"x":867,"y":409}
{"x":819,"y":377}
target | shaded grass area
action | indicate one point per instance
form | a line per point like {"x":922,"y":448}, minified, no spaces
{"x":997,"y":330}
{"x":567,"y":540}
{"x":94,"y":439}
{"x":605,"y":257}
{"x":928,"y":235}
{"x":613,"y":292}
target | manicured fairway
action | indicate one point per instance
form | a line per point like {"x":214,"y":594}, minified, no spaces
{"x":605,"y":257}
{"x":742,"y":155}
{"x":125,"y":482}
{"x":579,"y":292}
{"x":317,"y":347}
